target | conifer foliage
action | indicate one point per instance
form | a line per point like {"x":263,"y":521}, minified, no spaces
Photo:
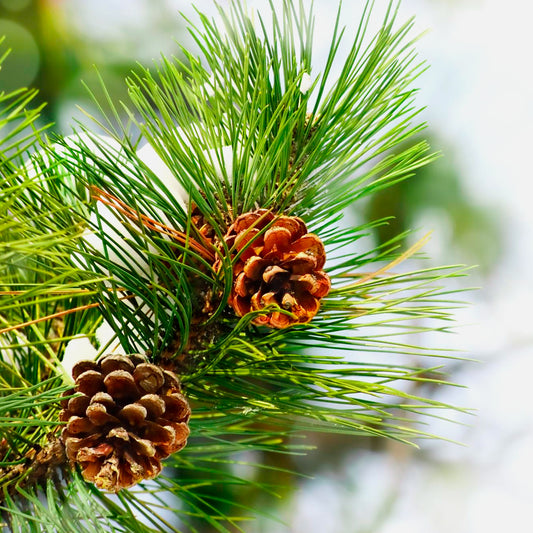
{"x":188,"y":257}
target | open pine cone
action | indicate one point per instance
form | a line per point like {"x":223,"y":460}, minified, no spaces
{"x":282,"y":265}
{"x":129,"y":416}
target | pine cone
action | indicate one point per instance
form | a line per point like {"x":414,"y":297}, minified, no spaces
{"x":282,"y":265}
{"x":129,"y":416}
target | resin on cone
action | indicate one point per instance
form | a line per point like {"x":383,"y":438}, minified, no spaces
{"x":129,"y":416}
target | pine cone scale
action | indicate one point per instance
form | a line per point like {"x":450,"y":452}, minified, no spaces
{"x":254,"y":267}
{"x":78,"y":404}
{"x":277,"y":238}
{"x":120,"y":384}
{"x":155,"y":405}
{"x":98,"y":415}
{"x":134,"y":413}
{"x":300,"y":264}
{"x":89,"y":382}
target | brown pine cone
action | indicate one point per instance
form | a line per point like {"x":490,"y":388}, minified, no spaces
{"x":282,"y":265}
{"x":129,"y":416}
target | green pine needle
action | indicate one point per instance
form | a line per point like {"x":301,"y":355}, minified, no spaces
{"x":354,"y":370}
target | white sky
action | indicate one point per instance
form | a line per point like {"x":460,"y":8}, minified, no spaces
{"x":479,"y":97}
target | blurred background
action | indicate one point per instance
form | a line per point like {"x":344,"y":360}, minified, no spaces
{"x":476,"y":198}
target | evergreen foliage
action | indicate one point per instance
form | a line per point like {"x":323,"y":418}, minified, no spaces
{"x":294,"y":152}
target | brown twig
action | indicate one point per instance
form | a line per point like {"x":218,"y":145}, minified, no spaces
{"x":57,"y":315}
{"x":184,"y":239}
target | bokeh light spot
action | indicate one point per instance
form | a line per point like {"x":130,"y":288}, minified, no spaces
{"x":22,"y":65}
{"x":15,"y":5}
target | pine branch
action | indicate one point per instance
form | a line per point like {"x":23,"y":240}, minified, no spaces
{"x":200,"y":242}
